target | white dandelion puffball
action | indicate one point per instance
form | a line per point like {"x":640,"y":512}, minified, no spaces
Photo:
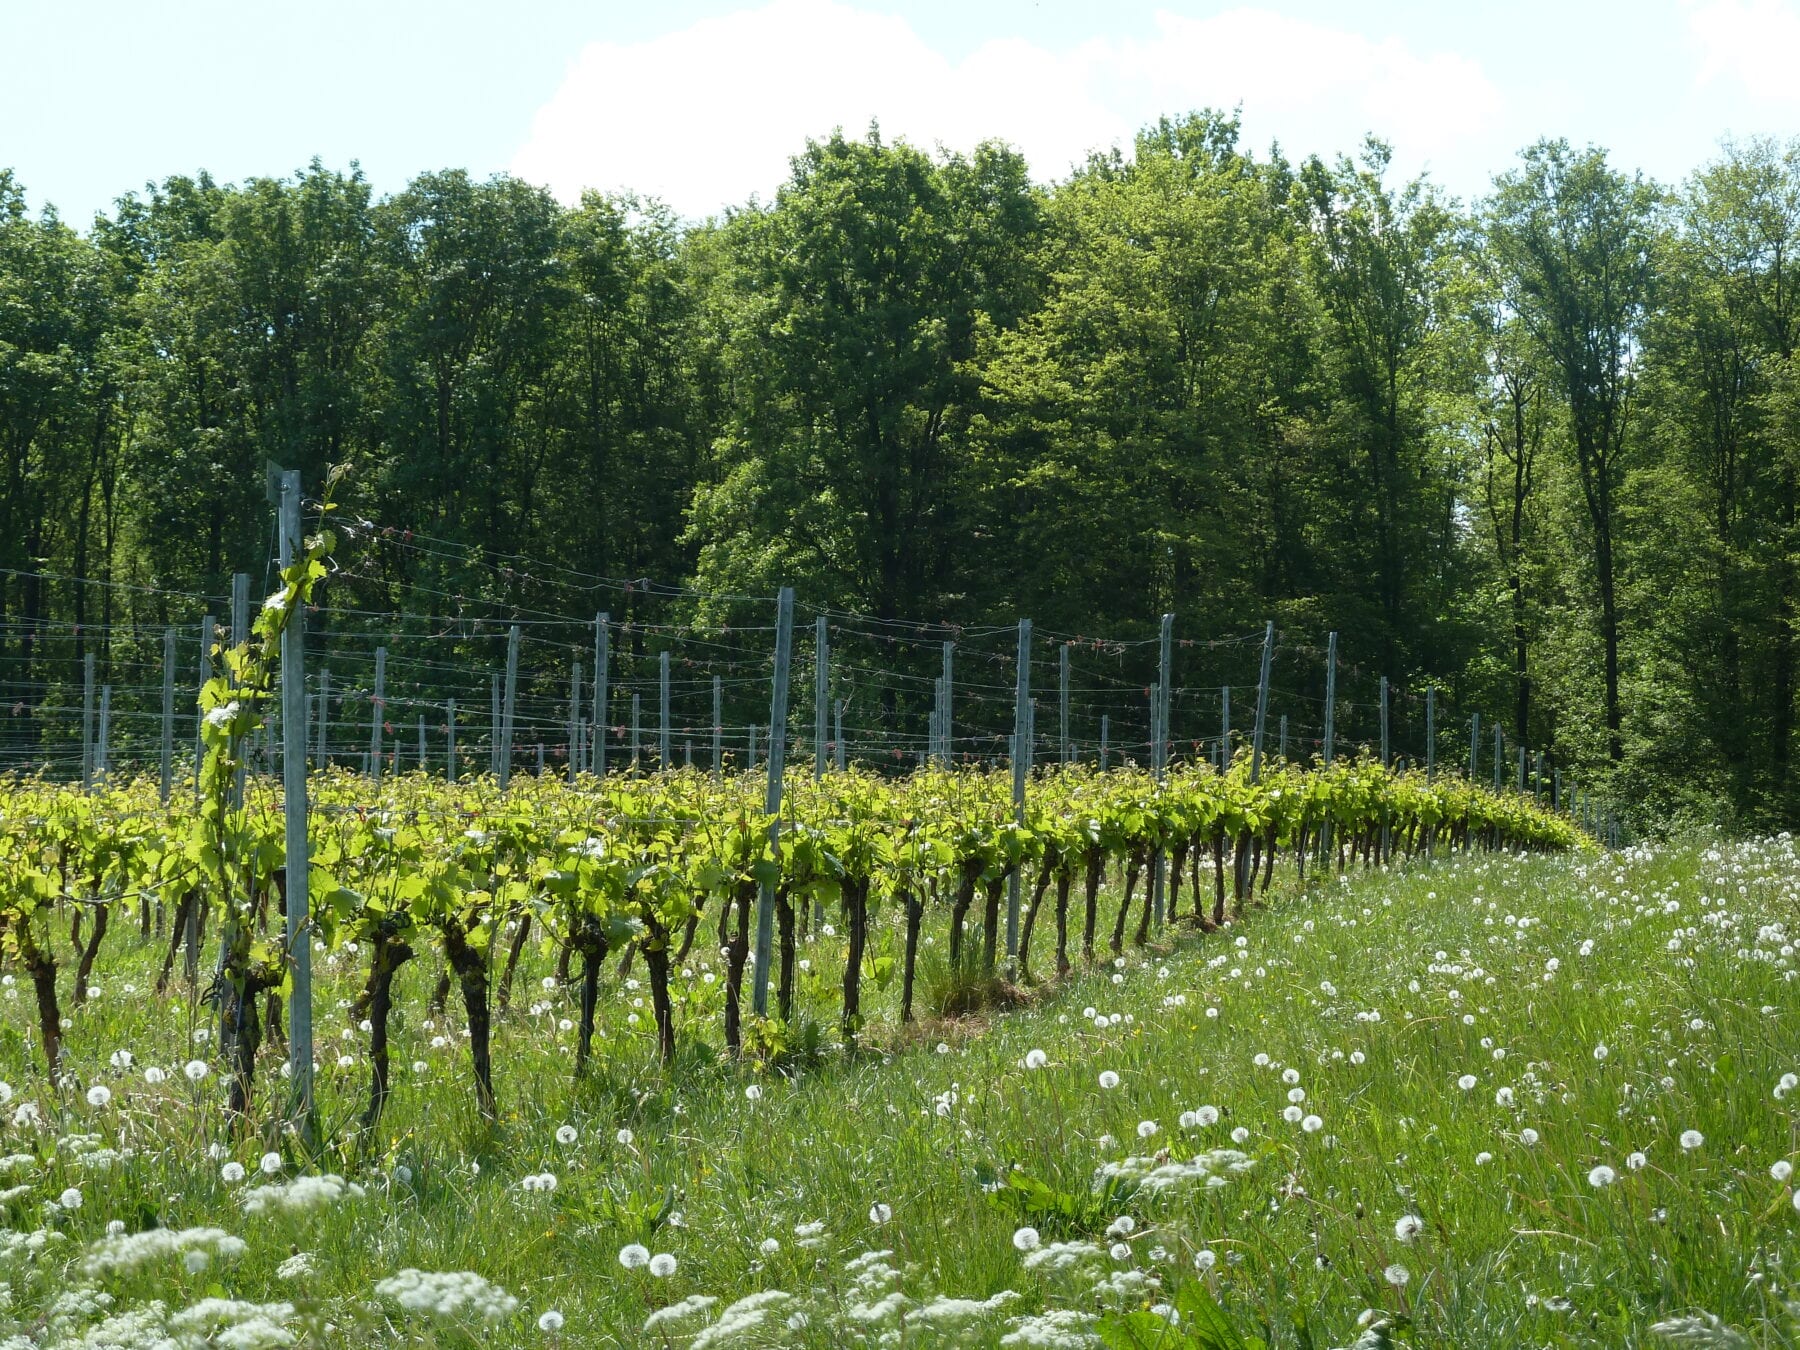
{"x":565,"y":1134}
{"x":879,"y":1213}
{"x":1207,"y":1115}
{"x":1601,"y":1052}
{"x":154,"y":1075}
{"x":99,"y":1095}
{"x":753,"y":1092}
{"x":1692,"y":1139}
{"x":1036,"y":1059}
{"x":625,"y":1137}
{"x":1483,"y":1158}
{"x":70,"y":1199}
{"x":1188,"y":1119}
{"x":1205,"y":1259}
{"x":1466,"y":1082}
{"x":770,"y":1246}
{"x":1781,"y":1169}
{"x":1026,"y":1239}
{"x":119,"y":1059}
{"x":1397,"y":1276}
{"x":1108,"y":1079}
{"x":1146,"y":1128}
{"x":231,"y":1173}
{"x":271,"y":1164}
{"x":1292,"y":1114}
{"x":1121,"y":1251}
{"x":1408,"y":1226}
{"x":662,"y":1265}
{"x":1636,"y":1162}
{"x":195,"y":1070}
{"x":1602,"y":1175}
{"x":634,"y":1256}
{"x":551,"y":1321}
{"x":1240,"y":1134}
{"x":1528,"y":1136}
{"x":1312,"y":1124}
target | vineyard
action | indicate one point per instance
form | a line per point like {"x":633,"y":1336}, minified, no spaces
{"x":659,"y":866}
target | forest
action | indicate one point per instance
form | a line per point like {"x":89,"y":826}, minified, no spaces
{"x":1537,"y":451}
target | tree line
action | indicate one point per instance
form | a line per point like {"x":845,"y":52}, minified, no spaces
{"x":1538,"y":450}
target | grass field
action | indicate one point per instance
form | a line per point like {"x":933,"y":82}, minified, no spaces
{"x":1487,"y":1102}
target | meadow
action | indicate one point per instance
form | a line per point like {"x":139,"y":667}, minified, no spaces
{"x":1504,"y":1099}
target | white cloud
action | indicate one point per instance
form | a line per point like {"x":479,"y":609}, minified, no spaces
{"x":1754,"y":44}
{"x":707,"y":115}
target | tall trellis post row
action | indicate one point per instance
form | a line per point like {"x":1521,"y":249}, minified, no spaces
{"x":947,"y":720}
{"x":1159,"y":750}
{"x":1519,"y":776}
{"x":821,"y":692}
{"x":1330,"y":746}
{"x":424,"y":755}
{"x":450,"y":741}
{"x":602,"y":656}
{"x":103,"y":737}
{"x":1430,"y":732}
{"x":1105,"y":739}
{"x":87,"y":722}
{"x":1020,"y":766}
{"x":378,"y":713}
{"x":637,"y":729}
{"x":574,"y":721}
{"x":1062,"y":675}
{"x":294,"y":788}
{"x":1262,"y":706}
{"x":509,"y":703}
{"x":663,"y":761}
{"x":1499,"y":755}
{"x":1284,"y":738}
{"x":718,"y":728}
{"x":1224,"y":728}
{"x":1474,"y":748}
{"x":837,"y":735}
{"x":168,"y":715}
{"x":778,"y":713}
{"x":1258,"y":724}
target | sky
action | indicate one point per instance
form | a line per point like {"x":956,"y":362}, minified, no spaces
{"x":701,"y":102}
